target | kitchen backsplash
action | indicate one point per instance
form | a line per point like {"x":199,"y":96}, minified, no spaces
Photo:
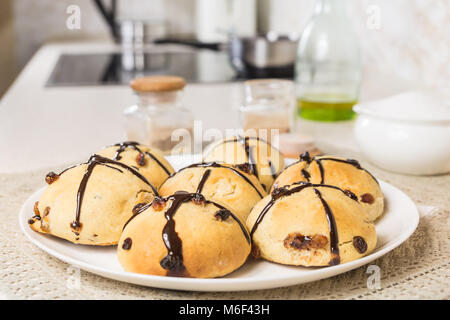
{"x":404,"y":38}
{"x":36,"y":22}
{"x":409,"y":38}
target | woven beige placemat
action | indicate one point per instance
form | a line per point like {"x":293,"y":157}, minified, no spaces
{"x":420,"y":268}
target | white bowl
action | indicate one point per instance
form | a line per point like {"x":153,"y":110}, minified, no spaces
{"x":408,"y":134}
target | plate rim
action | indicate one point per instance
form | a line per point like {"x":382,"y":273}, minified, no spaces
{"x":225,"y":284}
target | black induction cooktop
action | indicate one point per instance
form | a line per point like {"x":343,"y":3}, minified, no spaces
{"x":118,"y":68}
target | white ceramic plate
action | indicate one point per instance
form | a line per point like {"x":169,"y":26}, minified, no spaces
{"x":393,"y":228}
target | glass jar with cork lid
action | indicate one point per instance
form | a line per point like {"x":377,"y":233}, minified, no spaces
{"x":159,"y":119}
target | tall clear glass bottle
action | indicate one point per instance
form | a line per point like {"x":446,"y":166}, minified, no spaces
{"x":328,"y":67}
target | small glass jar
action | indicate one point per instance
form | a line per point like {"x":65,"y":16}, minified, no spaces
{"x":159,"y":119}
{"x":268,"y":108}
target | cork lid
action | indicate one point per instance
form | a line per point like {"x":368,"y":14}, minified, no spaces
{"x":157,"y":84}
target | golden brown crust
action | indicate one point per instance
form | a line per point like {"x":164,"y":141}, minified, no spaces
{"x":211,"y":247}
{"x":155,"y":171}
{"x":280,"y":236}
{"x":222,"y":185}
{"x":107,"y":204}
{"x":268,"y":161}
{"x":343,"y":175}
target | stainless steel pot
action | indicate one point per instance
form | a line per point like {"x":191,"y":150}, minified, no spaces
{"x":268,"y":53}
{"x":261,"y":56}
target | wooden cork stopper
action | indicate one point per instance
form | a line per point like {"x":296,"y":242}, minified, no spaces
{"x":157,"y":84}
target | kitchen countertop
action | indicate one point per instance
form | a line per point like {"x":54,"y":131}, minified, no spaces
{"x":42,"y":127}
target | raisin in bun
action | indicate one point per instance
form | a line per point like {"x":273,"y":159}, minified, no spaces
{"x":90,"y":203}
{"x":345,"y":174}
{"x":310,"y":225}
{"x":222,"y":183}
{"x":150,"y":162}
{"x":264,"y":160}
{"x":183,"y":235}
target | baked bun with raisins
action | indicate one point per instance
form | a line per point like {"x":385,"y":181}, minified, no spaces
{"x":225,"y":184}
{"x":343,"y":173}
{"x":183,"y":235}
{"x":310,"y":225}
{"x":90,"y":203}
{"x":150,"y":162}
{"x":264,"y":160}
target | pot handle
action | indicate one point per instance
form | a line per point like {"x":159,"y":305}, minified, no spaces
{"x":191,"y":43}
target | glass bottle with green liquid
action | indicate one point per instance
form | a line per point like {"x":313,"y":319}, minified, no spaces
{"x":328,"y":67}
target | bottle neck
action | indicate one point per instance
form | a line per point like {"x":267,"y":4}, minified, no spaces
{"x":160,"y":99}
{"x":335,"y":7}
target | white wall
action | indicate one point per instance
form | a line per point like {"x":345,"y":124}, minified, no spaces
{"x":413,"y":41}
{"x":36,"y":22}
